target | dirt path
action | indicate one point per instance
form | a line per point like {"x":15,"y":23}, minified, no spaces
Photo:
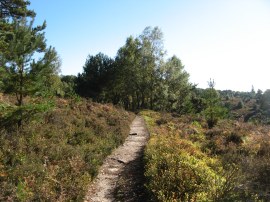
{"x":121,"y":176}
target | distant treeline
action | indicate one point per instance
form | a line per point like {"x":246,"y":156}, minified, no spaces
{"x":139,"y":77}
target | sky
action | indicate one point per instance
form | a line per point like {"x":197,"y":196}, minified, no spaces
{"x":225,"y":40}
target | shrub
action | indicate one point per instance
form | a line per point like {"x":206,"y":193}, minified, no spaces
{"x":234,"y":138}
{"x":178,"y":171}
{"x":161,"y":121}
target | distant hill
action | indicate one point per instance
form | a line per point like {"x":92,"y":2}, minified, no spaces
{"x":246,"y":106}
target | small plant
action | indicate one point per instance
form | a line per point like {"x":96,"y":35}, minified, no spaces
{"x":213,"y":111}
{"x":234,"y":138}
{"x":161,"y":121}
{"x":240,"y":105}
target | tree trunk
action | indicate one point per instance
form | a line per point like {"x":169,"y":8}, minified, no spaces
{"x":151,"y":91}
{"x":138,"y":100}
{"x":133,"y":102}
{"x":151,"y":100}
{"x":143,"y":101}
{"x":20,"y":96}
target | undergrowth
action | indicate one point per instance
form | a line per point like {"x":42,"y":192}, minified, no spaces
{"x":186,"y":161}
{"x":55,"y":157}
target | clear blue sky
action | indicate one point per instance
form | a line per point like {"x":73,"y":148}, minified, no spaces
{"x":226,"y":40}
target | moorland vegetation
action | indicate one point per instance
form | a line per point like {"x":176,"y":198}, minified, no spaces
{"x":55,"y":131}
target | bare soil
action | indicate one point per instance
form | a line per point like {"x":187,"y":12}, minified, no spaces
{"x":121,"y":176}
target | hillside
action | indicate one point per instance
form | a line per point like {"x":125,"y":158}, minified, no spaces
{"x":61,"y":144}
{"x":57,"y":153}
{"x":245,"y":106}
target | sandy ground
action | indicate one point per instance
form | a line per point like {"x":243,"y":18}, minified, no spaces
{"x":121,"y":177}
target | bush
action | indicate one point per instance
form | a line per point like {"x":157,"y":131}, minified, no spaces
{"x":234,"y":138}
{"x":161,"y":121}
{"x":178,"y":171}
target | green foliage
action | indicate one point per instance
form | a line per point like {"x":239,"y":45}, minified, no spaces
{"x":11,"y":9}
{"x":10,"y":115}
{"x":213,"y":114}
{"x":23,"y":76}
{"x":20,"y":74}
{"x":247,"y":106}
{"x":213,"y":111}
{"x":240,"y":104}
{"x":17,"y":9}
{"x":97,"y":73}
{"x":138,"y":77}
{"x":68,"y":86}
{"x":130,"y":84}
{"x":176,"y":88}
{"x":44,"y":74}
{"x":265,"y":100}
{"x":178,"y":171}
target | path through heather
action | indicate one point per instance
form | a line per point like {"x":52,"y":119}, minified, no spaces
{"x":121,"y":176}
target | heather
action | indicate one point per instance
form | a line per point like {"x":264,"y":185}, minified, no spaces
{"x":55,"y":156}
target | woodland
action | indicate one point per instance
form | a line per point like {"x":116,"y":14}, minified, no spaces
{"x":56,"y":130}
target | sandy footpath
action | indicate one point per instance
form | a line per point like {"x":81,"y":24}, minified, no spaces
{"x":121,"y":174}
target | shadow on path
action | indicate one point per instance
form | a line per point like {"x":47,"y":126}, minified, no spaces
{"x":130,"y":185}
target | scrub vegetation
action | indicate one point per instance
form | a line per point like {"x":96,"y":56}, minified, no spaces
{"x":56,"y":130}
{"x":187,"y":161}
{"x":56,"y":155}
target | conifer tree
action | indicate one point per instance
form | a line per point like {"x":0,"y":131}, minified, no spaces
{"x":9,"y":10}
{"x":20,"y":73}
{"x":44,"y":74}
{"x":214,"y":111}
{"x":15,"y":9}
{"x":97,"y":71}
{"x":26,"y":41}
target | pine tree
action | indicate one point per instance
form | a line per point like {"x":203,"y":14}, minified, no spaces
{"x":97,"y":72}
{"x":25,"y":42}
{"x":11,"y":9}
{"x":214,"y":111}
{"x":44,"y":74}
{"x":20,"y":73}
{"x":15,"y":9}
